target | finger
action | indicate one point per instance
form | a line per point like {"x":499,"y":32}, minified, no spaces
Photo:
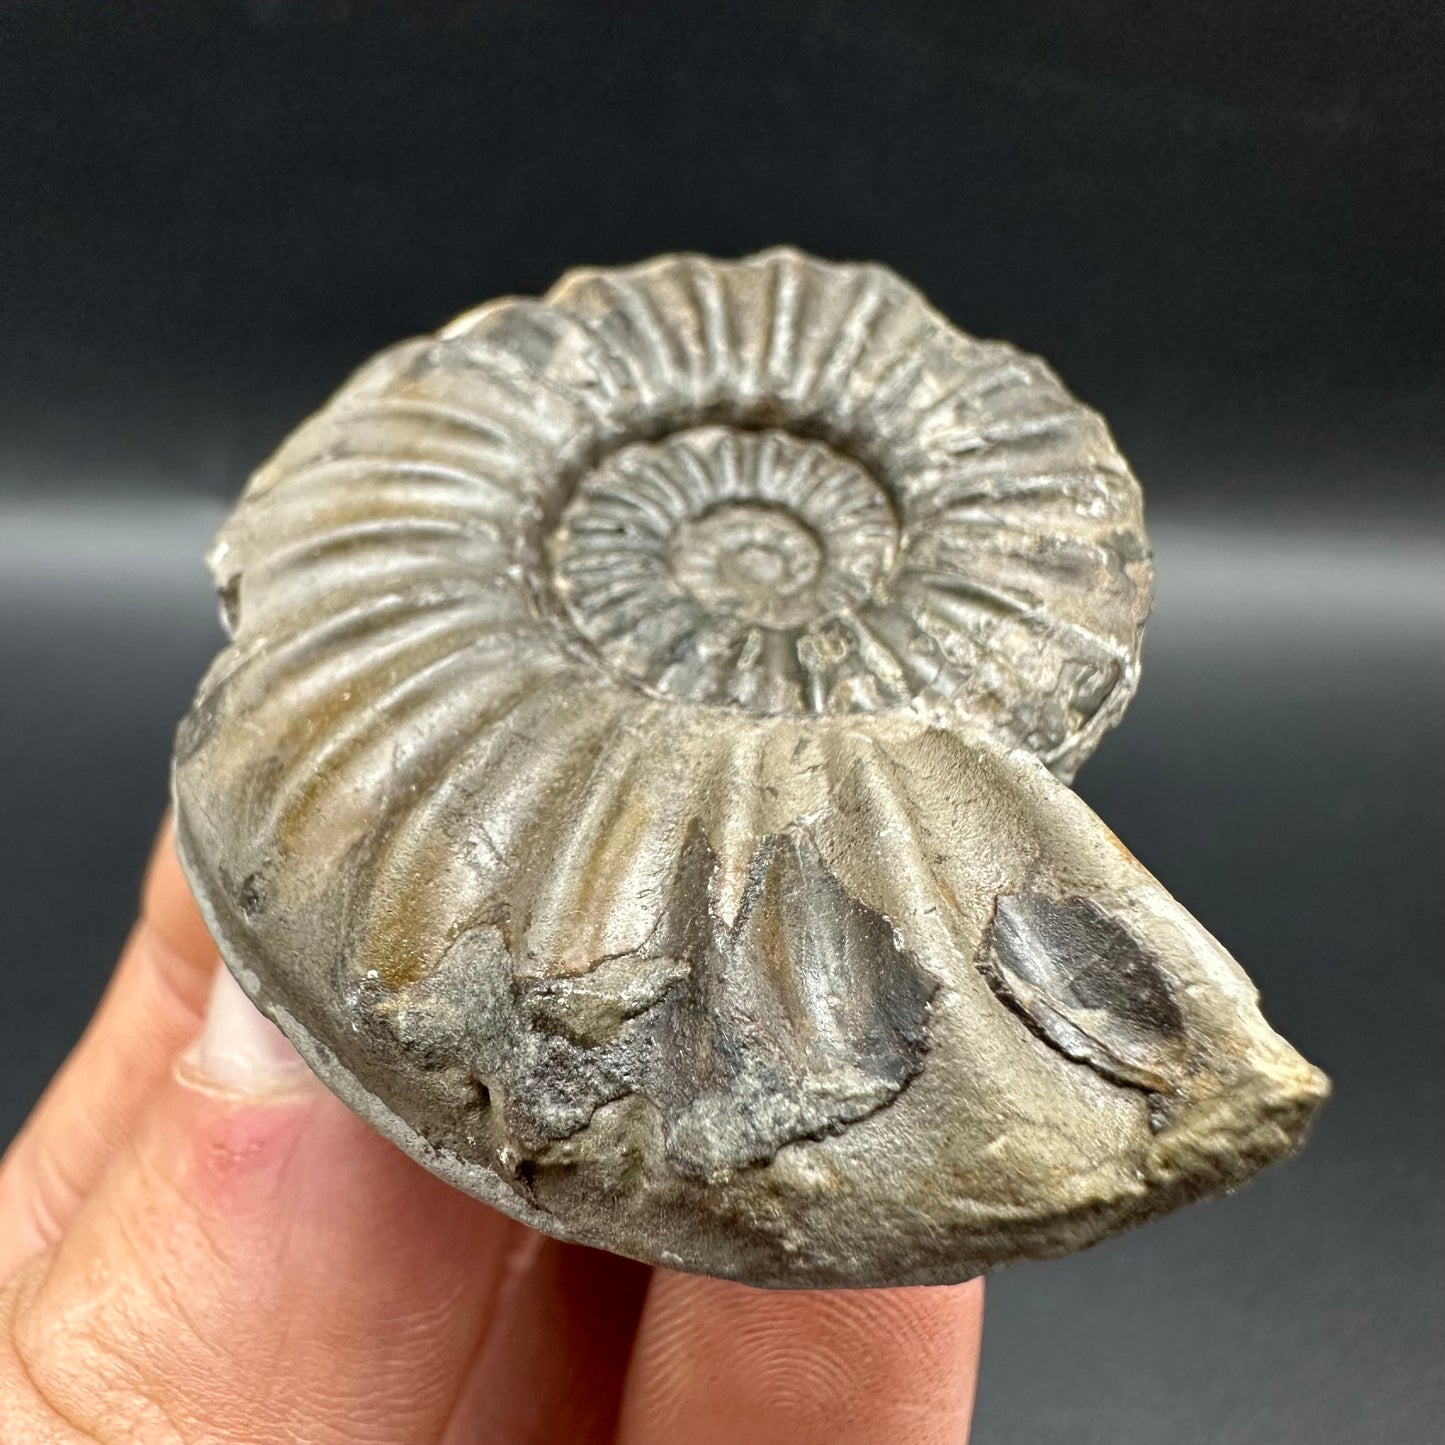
{"x":149,"y":1012}
{"x":255,"y":1266}
{"x":557,"y":1350}
{"x":718,"y":1362}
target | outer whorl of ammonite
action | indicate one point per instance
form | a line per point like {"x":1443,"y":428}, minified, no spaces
{"x":633,"y":783}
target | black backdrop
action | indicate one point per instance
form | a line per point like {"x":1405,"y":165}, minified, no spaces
{"x":1222,"y":222}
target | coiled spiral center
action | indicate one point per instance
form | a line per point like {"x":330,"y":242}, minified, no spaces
{"x":757,"y":562}
{"x":708,"y":565}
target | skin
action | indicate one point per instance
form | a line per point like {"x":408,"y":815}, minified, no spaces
{"x":185,"y":1260}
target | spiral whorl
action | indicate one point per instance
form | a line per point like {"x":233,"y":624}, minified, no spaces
{"x":628,"y":784}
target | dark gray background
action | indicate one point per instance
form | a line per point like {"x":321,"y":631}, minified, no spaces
{"x":1223,"y":223}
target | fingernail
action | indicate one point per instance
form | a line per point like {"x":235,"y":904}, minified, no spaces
{"x":240,"y":1049}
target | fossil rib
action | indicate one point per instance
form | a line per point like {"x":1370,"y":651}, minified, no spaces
{"x":637,"y":782}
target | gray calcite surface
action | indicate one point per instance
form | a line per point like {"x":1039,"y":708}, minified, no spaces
{"x":638,"y":784}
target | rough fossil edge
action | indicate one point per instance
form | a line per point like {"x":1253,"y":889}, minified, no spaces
{"x":1260,"y":1115}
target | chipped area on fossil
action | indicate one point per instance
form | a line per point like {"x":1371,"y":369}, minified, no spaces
{"x":691,"y":540}
{"x":801,"y":1018}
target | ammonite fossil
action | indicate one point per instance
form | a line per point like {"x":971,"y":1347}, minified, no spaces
{"x":637,"y":783}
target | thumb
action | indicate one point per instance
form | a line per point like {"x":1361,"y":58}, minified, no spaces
{"x":255,"y":1265}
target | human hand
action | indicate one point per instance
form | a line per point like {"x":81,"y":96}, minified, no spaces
{"x":199,"y":1243}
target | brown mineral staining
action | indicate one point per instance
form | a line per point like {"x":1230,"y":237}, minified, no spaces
{"x":596,"y":879}
{"x":637,"y":781}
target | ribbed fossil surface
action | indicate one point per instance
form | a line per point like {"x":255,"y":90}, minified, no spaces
{"x":637,"y":782}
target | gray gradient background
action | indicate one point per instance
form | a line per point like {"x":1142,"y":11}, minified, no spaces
{"x":1225,"y":229}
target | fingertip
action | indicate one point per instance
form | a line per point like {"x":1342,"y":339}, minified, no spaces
{"x":721,"y":1362}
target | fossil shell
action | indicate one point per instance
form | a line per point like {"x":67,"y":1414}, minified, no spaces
{"x":636,"y":783}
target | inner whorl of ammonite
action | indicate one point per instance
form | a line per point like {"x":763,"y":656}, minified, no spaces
{"x":726,"y":566}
